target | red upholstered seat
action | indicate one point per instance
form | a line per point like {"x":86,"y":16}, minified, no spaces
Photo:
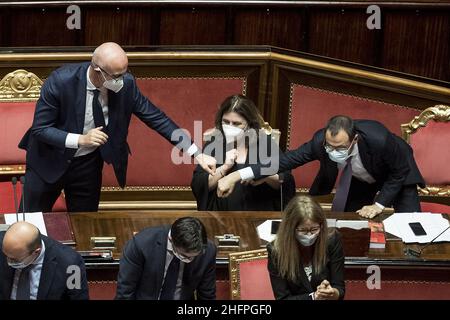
{"x":184,"y":100}
{"x":398,"y":290}
{"x":249,"y":276}
{"x":311,"y":108}
{"x":15,"y":119}
{"x":102,"y":290}
{"x":7,"y":199}
{"x":435,"y":207}
{"x":429,"y":136}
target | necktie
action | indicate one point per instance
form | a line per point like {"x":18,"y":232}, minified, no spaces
{"x":340,"y":198}
{"x":99,"y":121}
{"x":170,"y":281}
{"x":23,"y":286}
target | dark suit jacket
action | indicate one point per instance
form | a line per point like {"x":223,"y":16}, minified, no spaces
{"x":60,"y":110}
{"x":52,"y":285}
{"x":385,"y":156}
{"x":333,"y":272}
{"x":142,"y":268}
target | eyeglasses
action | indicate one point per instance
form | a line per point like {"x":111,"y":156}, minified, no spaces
{"x":329,"y":148}
{"x":306,"y":231}
{"x":113,"y":77}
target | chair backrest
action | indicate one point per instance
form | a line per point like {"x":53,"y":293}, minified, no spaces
{"x":429,"y":136}
{"x":249,"y":277}
{"x":19,"y":91}
{"x":434,"y":207}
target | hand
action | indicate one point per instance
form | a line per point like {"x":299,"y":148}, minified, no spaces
{"x":225,"y":186}
{"x":369,"y":211}
{"x":326,"y":292}
{"x":230,"y":158}
{"x":94,"y":138}
{"x":208,"y":163}
{"x":274,"y":177}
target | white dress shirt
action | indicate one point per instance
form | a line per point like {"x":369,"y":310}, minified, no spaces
{"x":72,"y":138}
{"x":35,"y":276}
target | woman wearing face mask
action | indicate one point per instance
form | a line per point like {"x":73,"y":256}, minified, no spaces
{"x":234,"y":144}
{"x":306,"y":260}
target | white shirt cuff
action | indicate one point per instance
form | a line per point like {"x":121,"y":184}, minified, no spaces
{"x":72,"y":140}
{"x":312,"y":296}
{"x":380,"y":205}
{"x":192,"y":149}
{"x":246,"y":173}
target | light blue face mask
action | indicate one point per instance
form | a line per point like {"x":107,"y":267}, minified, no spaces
{"x":339,"y":156}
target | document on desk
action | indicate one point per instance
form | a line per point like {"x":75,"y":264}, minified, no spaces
{"x":398,"y":225}
{"x":35,"y":218}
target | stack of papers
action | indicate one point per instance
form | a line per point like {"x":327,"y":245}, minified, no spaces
{"x":398,"y":225}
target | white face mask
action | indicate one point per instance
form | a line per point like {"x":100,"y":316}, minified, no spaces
{"x":307,"y":240}
{"x":114,"y":84}
{"x":22,"y":264}
{"x":231,"y":132}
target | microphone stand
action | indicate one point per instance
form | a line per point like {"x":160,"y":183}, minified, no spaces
{"x":416,"y":253}
{"x":14,"y":183}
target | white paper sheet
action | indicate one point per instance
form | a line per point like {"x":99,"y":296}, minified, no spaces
{"x":398,"y":225}
{"x":35,"y":218}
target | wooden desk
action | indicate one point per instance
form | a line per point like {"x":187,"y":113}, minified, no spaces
{"x":434,"y":263}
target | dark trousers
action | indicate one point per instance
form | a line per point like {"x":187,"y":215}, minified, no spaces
{"x":363,"y":194}
{"x":81,"y":184}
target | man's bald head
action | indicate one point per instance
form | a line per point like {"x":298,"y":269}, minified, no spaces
{"x":20,"y":240}
{"x":111,"y":58}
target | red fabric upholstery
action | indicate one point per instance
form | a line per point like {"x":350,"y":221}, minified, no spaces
{"x":432,"y":152}
{"x":102,"y":290}
{"x":106,"y":290}
{"x":15,"y":119}
{"x":184,"y":100}
{"x":434,"y":207}
{"x":395,"y":290}
{"x":311,"y":109}
{"x":255,"y":281}
{"x":7,"y":199}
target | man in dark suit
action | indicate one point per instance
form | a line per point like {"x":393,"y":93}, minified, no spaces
{"x":169,"y":263}
{"x":380,"y":167}
{"x":35,"y":267}
{"x":81,"y":120}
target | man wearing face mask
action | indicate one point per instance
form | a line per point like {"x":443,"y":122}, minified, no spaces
{"x":81,"y":121}
{"x":175,"y":262}
{"x":35,"y":267}
{"x":378,"y":167}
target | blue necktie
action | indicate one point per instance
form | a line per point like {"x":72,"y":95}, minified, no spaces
{"x":170,"y":281}
{"x":99,"y":121}
{"x":340,"y":198}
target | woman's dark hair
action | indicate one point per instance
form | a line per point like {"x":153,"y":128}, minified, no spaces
{"x":189,"y":234}
{"x":244,"y":107}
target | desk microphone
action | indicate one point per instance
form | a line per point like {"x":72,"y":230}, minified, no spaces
{"x":14,"y":183}
{"x":416,"y":253}
{"x":22,"y":182}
